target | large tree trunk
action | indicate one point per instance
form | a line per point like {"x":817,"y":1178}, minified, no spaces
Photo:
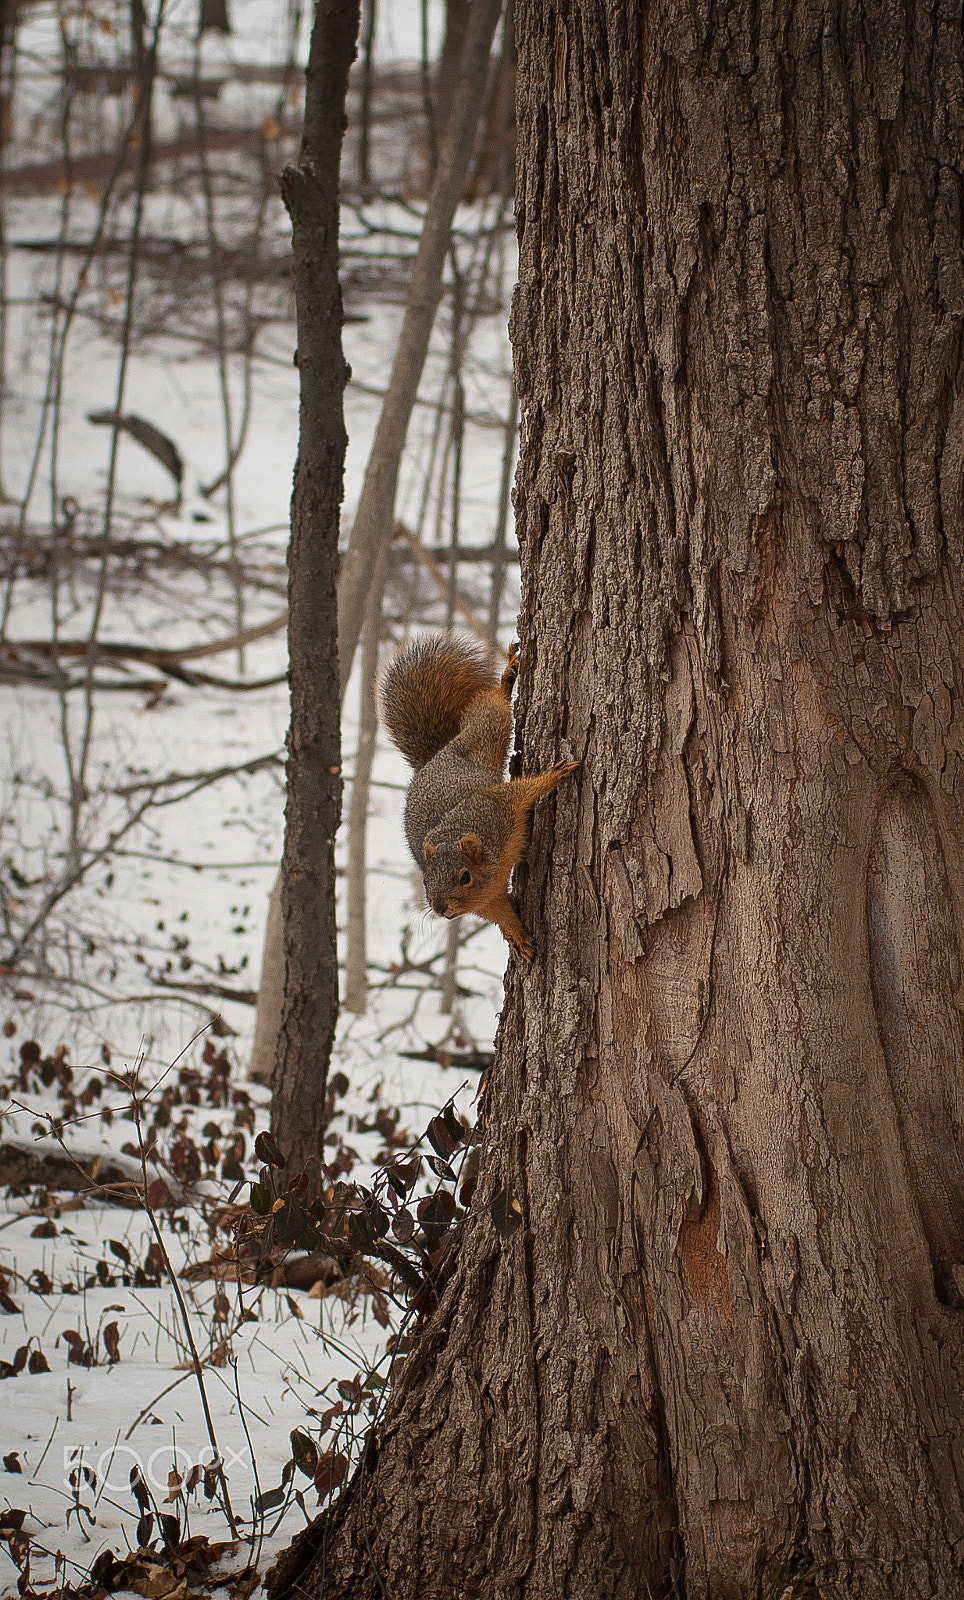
{"x":724,"y":1352}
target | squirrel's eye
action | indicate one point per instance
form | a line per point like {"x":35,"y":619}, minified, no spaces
{"x":465,"y":879}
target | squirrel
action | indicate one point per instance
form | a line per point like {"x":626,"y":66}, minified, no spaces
{"x":450,"y":715}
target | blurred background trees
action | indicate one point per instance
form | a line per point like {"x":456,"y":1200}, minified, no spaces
{"x":148,"y":421}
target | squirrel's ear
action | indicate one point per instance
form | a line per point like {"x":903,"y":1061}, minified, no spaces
{"x":471,"y":848}
{"x":428,"y":850}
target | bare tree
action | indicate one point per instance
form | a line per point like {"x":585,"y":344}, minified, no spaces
{"x":310,"y":1002}
{"x":81,"y":546}
{"x":356,"y":945}
{"x":722,"y":1351}
{"x":372,"y":528}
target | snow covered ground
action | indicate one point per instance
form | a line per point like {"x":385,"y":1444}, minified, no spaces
{"x":104,"y":1384}
{"x":103,"y":1416}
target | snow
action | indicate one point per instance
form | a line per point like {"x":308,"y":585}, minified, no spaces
{"x":183,"y":896}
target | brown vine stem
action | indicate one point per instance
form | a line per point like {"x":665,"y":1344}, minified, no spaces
{"x":185,"y":1318}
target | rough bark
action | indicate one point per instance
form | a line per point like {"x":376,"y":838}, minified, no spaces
{"x":310,"y":1003}
{"x":723,"y":1356}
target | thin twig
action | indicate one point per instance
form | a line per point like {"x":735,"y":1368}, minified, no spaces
{"x":218,"y":1462}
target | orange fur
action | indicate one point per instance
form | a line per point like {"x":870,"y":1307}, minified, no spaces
{"x":493,"y":901}
{"x":466,"y":827}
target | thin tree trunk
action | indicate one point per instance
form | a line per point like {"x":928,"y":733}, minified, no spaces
{"x":214,"y":17}
{"x":447,"y":73}
{"x":8,"y":79}
{"x":310,"y":1004}
{"x":373,"y":523}
{"x":356,"y":958}
{"x":271,"y":989}
{"x":724,"y":1353}
{"x":365,"y":110}
{"x":373,"y":520}
{"x":459,"y":334}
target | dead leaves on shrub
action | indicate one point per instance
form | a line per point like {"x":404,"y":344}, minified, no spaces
{"x":180,"y":1573}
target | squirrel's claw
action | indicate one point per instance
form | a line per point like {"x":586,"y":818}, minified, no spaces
{"x":507,"y":683}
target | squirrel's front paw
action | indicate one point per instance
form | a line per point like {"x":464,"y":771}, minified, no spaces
{"x":522,"y":945}
{"x":511,"y":668}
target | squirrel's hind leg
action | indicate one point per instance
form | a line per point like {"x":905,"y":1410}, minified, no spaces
{"x":530,"y":789}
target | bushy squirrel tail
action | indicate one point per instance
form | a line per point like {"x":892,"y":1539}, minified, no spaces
{"x":427,"y":689}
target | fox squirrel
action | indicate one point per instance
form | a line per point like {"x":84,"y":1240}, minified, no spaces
{"x":451,"y":717}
